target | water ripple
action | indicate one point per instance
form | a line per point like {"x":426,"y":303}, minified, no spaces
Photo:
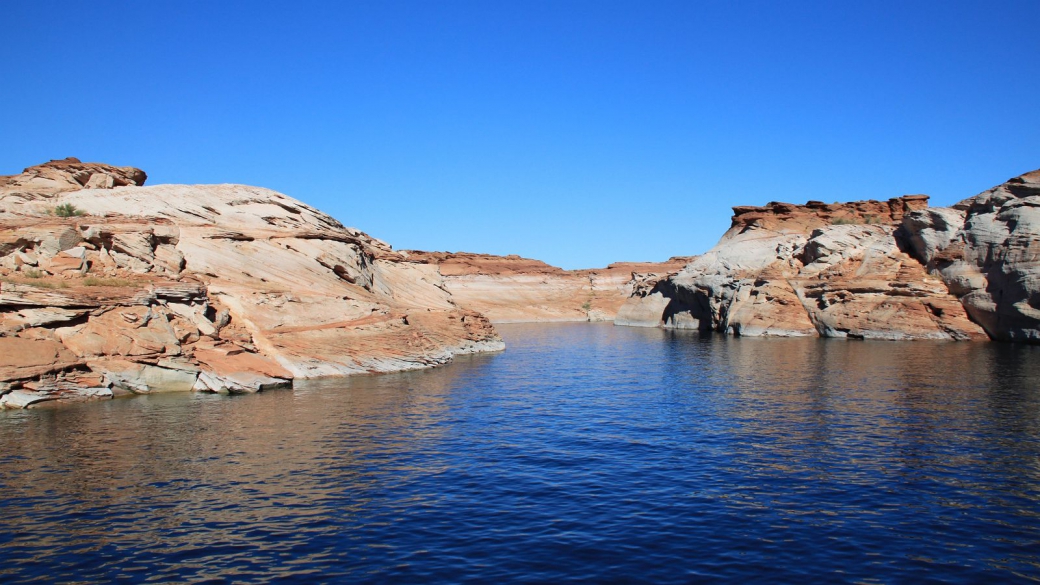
{"x":584,"y":452}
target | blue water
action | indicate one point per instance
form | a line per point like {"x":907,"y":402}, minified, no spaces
{"x":584,"y":452}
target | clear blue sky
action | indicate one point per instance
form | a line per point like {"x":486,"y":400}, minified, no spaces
{"x":579,"y":133}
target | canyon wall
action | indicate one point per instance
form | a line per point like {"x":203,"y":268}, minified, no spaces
{"x":987,"y":250}
{"x":896,"y":269}
{"x":832,"y":270}
{"x":510,"y":289}
{"x":108,"y":286}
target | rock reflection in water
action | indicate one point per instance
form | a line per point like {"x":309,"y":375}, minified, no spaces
{"x":584,"y":451}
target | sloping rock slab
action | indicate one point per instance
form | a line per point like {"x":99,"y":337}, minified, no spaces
{"x":144,"y":378}
{"x":24,"y":358}
{"x":62,"y":392}
{"x":239,"y":373}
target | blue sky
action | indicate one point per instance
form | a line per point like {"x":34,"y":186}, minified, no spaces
{"x":579,"y":133}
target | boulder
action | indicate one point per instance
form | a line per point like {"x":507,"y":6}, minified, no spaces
{"x":141,"y":378}
{"x":63,"y":262}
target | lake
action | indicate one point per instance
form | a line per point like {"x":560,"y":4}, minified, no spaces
{"x":583,"y":452}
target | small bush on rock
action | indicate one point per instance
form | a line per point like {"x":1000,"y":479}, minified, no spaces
{"x":67,"y":210}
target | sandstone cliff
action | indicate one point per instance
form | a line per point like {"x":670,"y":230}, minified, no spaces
{"x":510,"y":289}
{"x":987,"y":250}
{"x":223,"y":288}
{"x":833,"y":270}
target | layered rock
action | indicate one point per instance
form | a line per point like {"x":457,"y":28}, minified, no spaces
{"x":987,"y":250}
{"x":510,"y":289}
{"x":223,"y":288}
{"x":42,"y":182}
{"x":833,"y":270}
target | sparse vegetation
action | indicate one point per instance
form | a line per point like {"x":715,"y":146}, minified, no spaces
{"x":587,"y":306}
{"x":49,"y":284}
{"x":36,"y":278}
{"x":94,"y":281}
{"x":68,"y":210}
{"x":36,"y":282}
{"x":843,"y":221}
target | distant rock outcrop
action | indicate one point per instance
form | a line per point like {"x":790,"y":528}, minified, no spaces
{"x":513,"y":289}
{"x":223,"y":288}
{"x":833,"y":270}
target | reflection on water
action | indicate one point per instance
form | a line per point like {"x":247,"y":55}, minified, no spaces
{"x":583,"y":452}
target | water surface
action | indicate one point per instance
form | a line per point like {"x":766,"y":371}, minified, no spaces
{"x":584,"y":452}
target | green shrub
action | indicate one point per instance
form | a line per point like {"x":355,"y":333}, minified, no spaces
{"x":67,"y":210}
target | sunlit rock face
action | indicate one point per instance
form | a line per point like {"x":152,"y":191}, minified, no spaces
{"x":511,"y":289}
{"x":832,"y":270}
{"x":224,"y":288}
{"x":987,"y":250}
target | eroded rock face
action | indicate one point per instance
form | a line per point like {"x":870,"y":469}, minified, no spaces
{"x":222,"y":288}
{"x":511,"y":289}
{"x":42,"y":182}
{"x":808,"y":270}
{"x":987,"y":250}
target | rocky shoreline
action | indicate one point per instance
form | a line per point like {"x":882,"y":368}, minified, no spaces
{"x":112,"y":287}
{"x":109,"y":287}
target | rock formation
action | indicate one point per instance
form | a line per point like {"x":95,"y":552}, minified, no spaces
{"x":833,"y":270}
{"x":109,"y":286}
{"x":511,"y":289}
{"x":987,"y":250}
{"x":68,"y":174}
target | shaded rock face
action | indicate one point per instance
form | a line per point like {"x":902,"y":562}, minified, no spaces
{"x":987,"y":250}
{"x":220,"y":288}
{"x":811,"y":270}
{"x":511,"y":289}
